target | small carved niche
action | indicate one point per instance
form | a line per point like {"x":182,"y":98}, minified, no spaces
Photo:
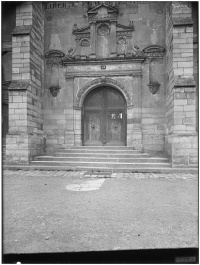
{"x":103,"y":40}
{"x":121,"y":45}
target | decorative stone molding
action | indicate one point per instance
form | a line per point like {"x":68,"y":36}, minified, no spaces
{"x":153,"y":87}
{"x":54,"y":90}
{"x":154,"y":51}
{"x":19,"y":85}
{"x":182,"y":21}
{"x":54,"y":57}
{"x":54,"y":53}
{"x":185,"y":82}
{"x":97,"y":82}
{"x":22,"y":30}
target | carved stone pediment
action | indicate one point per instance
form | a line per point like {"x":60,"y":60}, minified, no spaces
{"x":102,"y":12}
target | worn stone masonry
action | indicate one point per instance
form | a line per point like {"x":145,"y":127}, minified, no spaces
{"x":181,"y":140}
{"x":25,"y":136}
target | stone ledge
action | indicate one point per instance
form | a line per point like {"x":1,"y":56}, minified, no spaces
{"x":185,"y":82}
{"x":19,"y":85}
{"x":22,"y":30}
{"x":182,"y":21}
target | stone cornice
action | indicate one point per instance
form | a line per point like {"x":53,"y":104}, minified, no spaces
{"x":184,"y":82}
{"x":182,"y":21}
{"x":70,"y":75}
{"x":19,"y":85}
{"x":22,"y":30}
{"x":107,"y":61}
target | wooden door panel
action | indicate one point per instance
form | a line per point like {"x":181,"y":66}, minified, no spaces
{"x":104,"y":118}
{"x":92,"y":130}
{"x":115,"y":128}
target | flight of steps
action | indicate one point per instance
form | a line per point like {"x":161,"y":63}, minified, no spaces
{"x":101,"y":158}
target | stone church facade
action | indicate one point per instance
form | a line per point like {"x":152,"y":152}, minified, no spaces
{"x":100,"y":73}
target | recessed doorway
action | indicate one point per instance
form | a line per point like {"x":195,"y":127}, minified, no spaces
{"x":104,"y":118}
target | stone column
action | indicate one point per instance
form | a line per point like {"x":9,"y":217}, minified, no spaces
{"x":25,"y":137}
{"x":181,"y":135}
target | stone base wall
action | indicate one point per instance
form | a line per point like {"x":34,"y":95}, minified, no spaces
{"x":153,"y":130}
{"x":182,"y":150}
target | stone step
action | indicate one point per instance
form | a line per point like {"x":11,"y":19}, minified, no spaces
{"x":101,"y":155}
{"x":91,"y":150}
{"x":105,"y":148}
{"x":107,"y":164}
{"x":141,"y":169}
{"x":74,"y":159}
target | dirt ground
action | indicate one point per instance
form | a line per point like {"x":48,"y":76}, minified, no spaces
{"x":41,"y":215}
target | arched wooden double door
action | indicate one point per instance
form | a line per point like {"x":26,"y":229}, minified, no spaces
{"x":104,"y":117}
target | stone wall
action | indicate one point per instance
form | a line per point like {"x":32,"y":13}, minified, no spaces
{"x":181,"y":134}
{"x":25,"y":138}
{"x":145,"y":122}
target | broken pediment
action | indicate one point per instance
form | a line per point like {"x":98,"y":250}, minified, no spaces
{"x":103,"y":37}
{"x":102,"y":12}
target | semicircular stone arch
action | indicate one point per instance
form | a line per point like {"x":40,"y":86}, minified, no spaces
{"x":99,"y":82}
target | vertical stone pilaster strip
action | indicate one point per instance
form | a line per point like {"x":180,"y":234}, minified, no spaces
{"x":113,"y":40}
{"x":93,"y":39}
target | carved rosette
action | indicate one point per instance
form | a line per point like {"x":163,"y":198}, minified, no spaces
{"x":54,"y":90}
{"x":153,"y":87}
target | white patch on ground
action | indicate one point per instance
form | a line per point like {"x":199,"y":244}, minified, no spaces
{"x":87,"y":186}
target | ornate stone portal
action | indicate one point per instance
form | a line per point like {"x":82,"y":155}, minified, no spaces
{"x":104,"y":47}
{"x":103,"y":55}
